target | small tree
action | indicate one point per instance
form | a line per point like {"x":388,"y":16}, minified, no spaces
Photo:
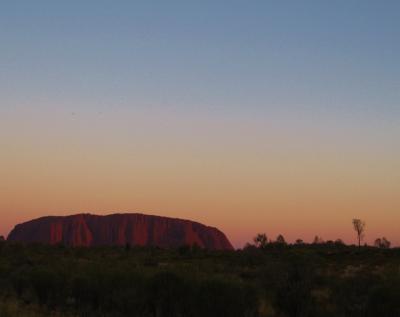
{"x":382,"y":243}
{"x":385,"y":243}
{"x":359,"y":227}
{"x":2,"y":239}
{"x":280,"y":239}
{"x":318,"y":240}
{"x":339,"y":242}
{"x":261,"y":240}
{"x":299,"y":241}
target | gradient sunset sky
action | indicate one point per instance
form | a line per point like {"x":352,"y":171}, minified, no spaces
{"x":251,"y":116}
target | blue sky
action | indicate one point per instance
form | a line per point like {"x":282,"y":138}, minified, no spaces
{"x":335,"y":55}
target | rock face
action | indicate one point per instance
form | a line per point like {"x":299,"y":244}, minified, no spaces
{"x":119,"y":229}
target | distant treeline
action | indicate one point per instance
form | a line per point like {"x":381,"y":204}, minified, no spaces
{"x":324,"y":279}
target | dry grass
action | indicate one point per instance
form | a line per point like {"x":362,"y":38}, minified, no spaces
{"x":14,"y":308}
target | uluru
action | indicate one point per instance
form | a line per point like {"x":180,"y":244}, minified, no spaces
{"x":119,"y":229}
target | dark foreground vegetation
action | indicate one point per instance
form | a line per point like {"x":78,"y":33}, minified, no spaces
{"x":276,"y":280}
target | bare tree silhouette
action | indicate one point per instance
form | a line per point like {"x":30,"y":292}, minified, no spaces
{"x":261,"y":240}
{"x":318,"y":240}
{"x":382,"y":243}
{"x":359,"y":227}
{"x":280,"y":239}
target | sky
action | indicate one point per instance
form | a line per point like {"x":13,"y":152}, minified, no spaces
{"x":280,"y":117}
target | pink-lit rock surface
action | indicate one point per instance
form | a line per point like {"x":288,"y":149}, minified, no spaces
{"x":119,"y":229}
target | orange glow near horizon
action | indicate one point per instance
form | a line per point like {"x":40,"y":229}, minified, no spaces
{"x":240,"y":179}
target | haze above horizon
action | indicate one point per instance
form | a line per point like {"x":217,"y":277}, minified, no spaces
{"x":276,"y":117}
